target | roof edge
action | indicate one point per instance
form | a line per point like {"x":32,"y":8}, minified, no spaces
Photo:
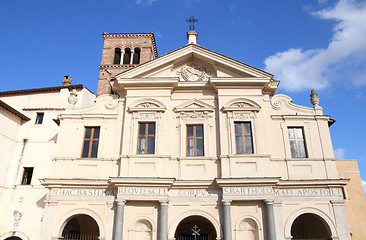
{"x":13,"y":111}
{"x":41,"y":90}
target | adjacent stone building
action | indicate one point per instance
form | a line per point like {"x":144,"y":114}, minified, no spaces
{"x":188,"y":145}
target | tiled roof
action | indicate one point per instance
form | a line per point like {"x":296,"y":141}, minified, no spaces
{"x":41,"y":90}
{"x":13,"y":111}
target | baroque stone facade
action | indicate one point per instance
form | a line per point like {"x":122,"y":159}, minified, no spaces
{"x":188,"y":145}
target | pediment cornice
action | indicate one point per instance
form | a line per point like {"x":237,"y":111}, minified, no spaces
{"x":241,"y":104}
{"x":194,"y":105}
{"x":196,"y":52}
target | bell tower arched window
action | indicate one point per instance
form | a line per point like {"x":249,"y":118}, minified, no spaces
{"x":117,"y":56}
{"x":136,"y":56}
{"x":127,"y":56}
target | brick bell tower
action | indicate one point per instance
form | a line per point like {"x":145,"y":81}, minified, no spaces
{"x":121,"y":52}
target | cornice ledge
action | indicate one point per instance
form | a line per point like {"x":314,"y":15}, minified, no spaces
{"x":73,"y":182}
{"x":145,"y":156}
{"x":142,"y":181}
{"x":192,"y":184}
{"x":234,"y":182}
{"x":117,"y":66}
{"x":245,"y":156}
{"x":196,"y":158}
{"x":83,"y":159}
{"x":88,"y":115}
{"x":339,"y":182}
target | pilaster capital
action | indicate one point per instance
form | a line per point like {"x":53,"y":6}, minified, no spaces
{"x":164,"y":202}
{"x":120,"y":202}
{"x":269,"y":201}
{"x":226,"y":202}
{"x":50,"y":202}
{"x":338,"y":202}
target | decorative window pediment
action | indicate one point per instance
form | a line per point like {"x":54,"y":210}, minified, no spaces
{"x":241,"y":104}
{"x":194,"y":105}
{"x":147,"y":105}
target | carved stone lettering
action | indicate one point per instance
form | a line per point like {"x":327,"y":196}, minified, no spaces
{"x":142,"y":191}
{"x":82,"y":192}
{"x":290,"y":192}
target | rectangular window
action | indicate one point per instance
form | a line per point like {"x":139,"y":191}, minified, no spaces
{"x":27,"y":176}
{"x":39,"y":118}
{"x":146,"y":138}
{"x":297,"y":142}
{"x":91,"y":141}
{"x":243,"y":137}
{"x":195,"y":140}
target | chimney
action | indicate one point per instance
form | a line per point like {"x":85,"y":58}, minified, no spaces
{"x":67,"y":80}
{"x":192,"y":37}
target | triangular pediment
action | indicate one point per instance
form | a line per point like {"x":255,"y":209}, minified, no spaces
{"x":194,"y":105}
{"x":194,"y":63}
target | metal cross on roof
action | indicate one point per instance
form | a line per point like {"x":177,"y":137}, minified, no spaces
{"x":191,"y":20}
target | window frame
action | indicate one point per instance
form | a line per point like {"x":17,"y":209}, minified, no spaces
{"x":91,"y":140}
{"x":194,"y":137}
{"x":26,"y":179}
{"x":297,"y":140}
{"x":39,"y":118}
{"x":243,"y":135}
{"x":146,"y":136}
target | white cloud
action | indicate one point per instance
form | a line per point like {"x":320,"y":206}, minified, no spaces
{"x":364,"y":186}
{"x":158,"y":35}
{"x":145,"y":2}
{"x":232,"y":7}
{"x":339,"y":153}
{"x":344,"y":58}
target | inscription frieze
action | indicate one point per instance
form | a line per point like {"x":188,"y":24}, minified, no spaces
{"x":147,"y":191}
{"x":79,"y":192}
{"x":193,"y":193}
{"x":288,"y":192}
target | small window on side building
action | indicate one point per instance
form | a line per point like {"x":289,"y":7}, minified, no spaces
{"x":91,"y":142}
{"x":39,"y":118}
{"x":297,"y":142}
{"x":27,"y":176}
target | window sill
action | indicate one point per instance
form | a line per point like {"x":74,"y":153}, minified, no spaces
{"x":195,"y":158}
{"x":248,"y":155}
{"x":145,"y":156}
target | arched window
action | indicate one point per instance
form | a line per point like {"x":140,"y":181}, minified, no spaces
{"x":127,"y":56}
{"x":195,"y":227}
{"x":117,"y":56}
{"x":310,"y":226}
{"x":136,"y":56}
{"x":81,"y":227}
{"x":13,"y":238}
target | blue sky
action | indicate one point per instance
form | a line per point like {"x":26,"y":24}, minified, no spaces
{"x":306,"y":44}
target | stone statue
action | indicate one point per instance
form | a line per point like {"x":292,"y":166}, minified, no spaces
{"x":314,"y":99}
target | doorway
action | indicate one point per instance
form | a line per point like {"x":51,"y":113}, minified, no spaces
{"x":195,"y":228}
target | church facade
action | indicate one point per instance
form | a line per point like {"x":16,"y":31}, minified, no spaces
{"x":188,"y":145}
